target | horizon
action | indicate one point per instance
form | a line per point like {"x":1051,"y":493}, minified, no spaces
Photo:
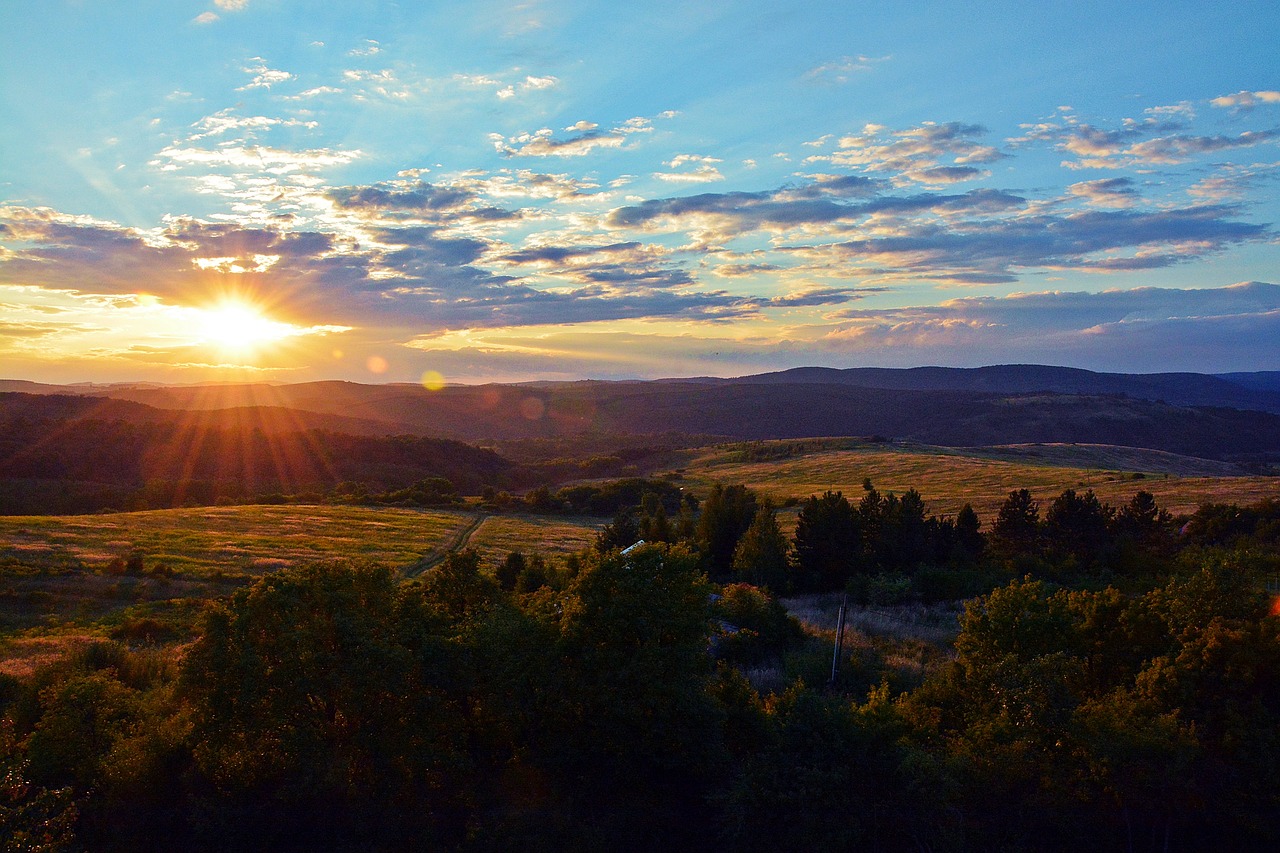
{"x":256,"y":191}
{"x":687,"y":378}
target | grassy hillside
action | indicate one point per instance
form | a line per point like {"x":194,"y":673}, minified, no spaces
{"x":249,"y":540}
{"x":947,"y":478}
{"x":499,"y":535}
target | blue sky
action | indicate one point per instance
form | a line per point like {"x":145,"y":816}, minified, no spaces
{"x":497,"y":191}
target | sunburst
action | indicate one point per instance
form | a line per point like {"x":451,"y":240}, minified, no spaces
{"x":240,"y":328}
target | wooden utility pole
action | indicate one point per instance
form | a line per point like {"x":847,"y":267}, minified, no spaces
{"x":835,"y":658}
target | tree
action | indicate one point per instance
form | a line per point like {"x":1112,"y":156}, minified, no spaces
{"x":629,"y":730}
{"x":968,"y":531}
{"x":508,"y":572}
{"x":325,"y":699}
{"x":622,"y":533}
{"x":827,"y":543}
{"x":1079,"y":526}
{"x":1017,"y":525}
{"x":726,"y":514}
{"x":761,"y":555}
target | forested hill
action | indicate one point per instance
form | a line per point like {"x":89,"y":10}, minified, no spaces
{"x":746,"y":409}
{"x":1255,"y":391}
{"x":70,"y":454}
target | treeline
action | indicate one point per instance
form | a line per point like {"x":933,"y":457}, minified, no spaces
{"x":887,"y":548}
{"x":603,"y":702}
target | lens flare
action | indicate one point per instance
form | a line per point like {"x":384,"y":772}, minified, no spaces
{"x":433,"y":380}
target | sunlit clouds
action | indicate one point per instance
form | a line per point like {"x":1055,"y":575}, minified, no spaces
{"x":462,"y":198}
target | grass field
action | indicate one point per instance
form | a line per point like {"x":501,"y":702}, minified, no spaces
{"x":552,"y":536}
{"x":56,"y":576}
{"x":947,"y":478}
{"x":250,"y":539}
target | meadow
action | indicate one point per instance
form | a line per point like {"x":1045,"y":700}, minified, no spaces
{"x":248,"y":540}
{"x":948,"y":478}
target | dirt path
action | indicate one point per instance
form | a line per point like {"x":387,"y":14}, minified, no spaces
{"x":456,"y":542}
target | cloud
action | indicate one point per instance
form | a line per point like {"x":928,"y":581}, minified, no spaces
{"x":587,"y":138}
{"x":383,"y":83}
{"x":204,"y":18}
{"x":272,"y":160}
{"x":1157,"y":329}
{"x":371,"y":48}
{"x":1231,"y":182}
{"x":541,"y":143}
{"x":226,"y":122}
{"x":837,"y":204}
{"x":1107,"y":192}
{"x":525,"y":183}
{"x":930,"y":153}
{"x":994,"y":249}
{"x":411,"y":279}
{"x":842,"y":69}
{"x":1245,"y":100}
{"x":1126,"y":147}
{"x":703,"y":171}
{"x":528,"y":84}
{"x":417,"y":199}
{"x":231,"y":5}
{"x":1181,"y":148}
{"x":264,"y":76}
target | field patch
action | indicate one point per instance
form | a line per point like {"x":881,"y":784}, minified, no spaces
{"x":241,"y":539}
{"x":552,"y":536}
{"x":947,"y":478}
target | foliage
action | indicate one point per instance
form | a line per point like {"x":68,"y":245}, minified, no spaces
{"x":762,"y":555}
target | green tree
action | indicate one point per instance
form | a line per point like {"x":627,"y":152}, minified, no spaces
{"x":726,"y":514}
{"x":1078,"y":526}
{"x":325,"y":700}
{"x":1016,"y":530}
{"x":629,"y":729}
{"x":827,"y":542}
{"x":761,"y":557}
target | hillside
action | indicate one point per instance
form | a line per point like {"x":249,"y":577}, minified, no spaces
{"x":70,"y":454}
{"x":787,"y":405}
{"x":1255,"y":391}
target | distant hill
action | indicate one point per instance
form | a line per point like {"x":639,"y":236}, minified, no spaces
{"x":1251,"y":391}
{"x":1264,"y":380}
{"x":1189,"y":414}
{"x":62,"y":453}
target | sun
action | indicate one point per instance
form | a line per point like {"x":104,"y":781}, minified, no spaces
{"x":239,"y":327}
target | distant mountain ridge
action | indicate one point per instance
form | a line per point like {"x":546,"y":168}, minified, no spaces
{"x":1250,"y":391}
{"x":1255,"y":391}
{"x":802,"y":403}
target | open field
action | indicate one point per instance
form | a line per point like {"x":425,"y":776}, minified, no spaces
{"x":59,"y":590}
{"x":552,"y":536}
{"x":249,"y":539}
{"x":947,"y":478}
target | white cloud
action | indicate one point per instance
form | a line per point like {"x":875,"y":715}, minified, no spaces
{"x":371,"y":47}
{"x":842,"y":69}
{"x":273,"y":160}
{"x":929,"y":153}
{"x":204,"y":18}
{"x":1245,"y":100}
{"x":231,"y":5}
{"x":264,"y":76}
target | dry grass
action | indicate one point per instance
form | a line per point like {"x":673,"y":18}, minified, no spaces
{"x":948,"y":478}
{"x":911,"y":640}
{"x":252,"y":540}
{"x":552,"y":536}
{"x":21,"y":657}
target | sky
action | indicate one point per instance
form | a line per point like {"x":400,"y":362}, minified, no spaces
{"x":286,"y":191}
